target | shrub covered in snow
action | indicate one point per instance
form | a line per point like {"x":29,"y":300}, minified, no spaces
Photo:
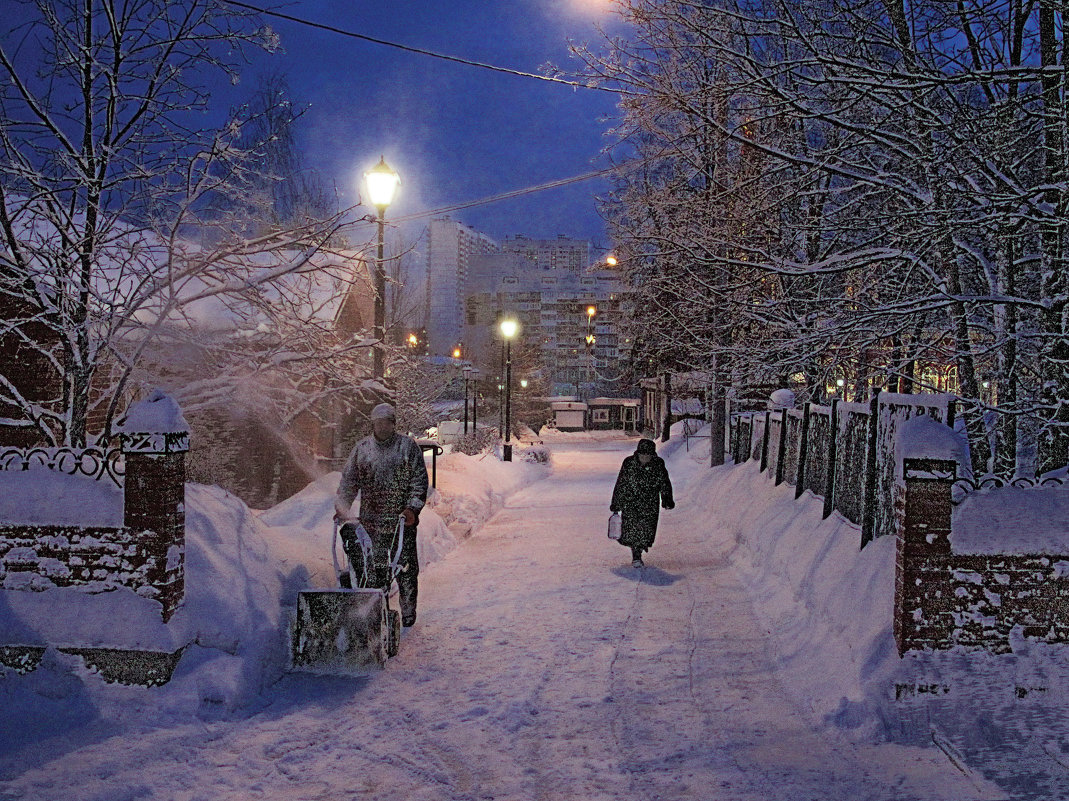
{"x":476,"y":442}
{"x":538,"y":454}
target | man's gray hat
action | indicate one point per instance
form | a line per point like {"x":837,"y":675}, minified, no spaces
{"x":383,"y":411}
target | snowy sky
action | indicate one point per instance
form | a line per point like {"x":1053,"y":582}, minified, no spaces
{"x":454,"y":133}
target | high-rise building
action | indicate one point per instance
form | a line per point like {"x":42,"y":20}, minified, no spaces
{"x":548,"y":285}
{"x":451,"y":246}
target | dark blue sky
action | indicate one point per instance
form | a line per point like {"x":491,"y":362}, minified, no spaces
{"x":454,"y":133}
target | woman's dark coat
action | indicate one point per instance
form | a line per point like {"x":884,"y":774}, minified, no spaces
{"x":641,"y":489}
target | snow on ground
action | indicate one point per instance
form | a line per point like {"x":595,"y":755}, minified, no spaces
{"x":243,"y":573}
{"x":751,"y":659}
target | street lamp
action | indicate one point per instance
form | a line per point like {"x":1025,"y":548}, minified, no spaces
{"x":382,"y":183}
{"x":509,"y":328}
{"x":474,"y":399}
{"x":467,"y":375}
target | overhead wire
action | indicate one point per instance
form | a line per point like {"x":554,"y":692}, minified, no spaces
{"x":507,"y":195}
{"x":468,"y":62}
{"x":418,"y":50}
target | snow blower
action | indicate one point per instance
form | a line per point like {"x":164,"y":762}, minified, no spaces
{"x":349,"y":629}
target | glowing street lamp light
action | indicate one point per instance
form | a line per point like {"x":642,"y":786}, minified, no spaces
{"x":591,"y":311}
{"x":611,"y":260}
{"x":509,"y":328}
{"x":456,"y":353}
{"x":523,"y":383}
{"x":382,"y":183}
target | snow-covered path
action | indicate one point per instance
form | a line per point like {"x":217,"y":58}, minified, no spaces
{"x":542,"y":667}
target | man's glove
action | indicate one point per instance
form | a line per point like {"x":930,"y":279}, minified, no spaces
{"x":614,"y":509}
{"x":669,"y":505}
{"x":341,"y":514}
{"x":409,"y":515}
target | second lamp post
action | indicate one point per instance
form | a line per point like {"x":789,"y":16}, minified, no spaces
{"x":509,"y":328}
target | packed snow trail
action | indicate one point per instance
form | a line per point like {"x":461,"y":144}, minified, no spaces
{"x":542,"y":666}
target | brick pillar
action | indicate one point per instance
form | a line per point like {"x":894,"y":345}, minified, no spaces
{"x":923,"y":546}
{"x":154,"y":509}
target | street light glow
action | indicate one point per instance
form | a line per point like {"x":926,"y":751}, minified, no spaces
{"x":611,"y":261}
{"x":523,"y":383}
{"x":456,"y":353}
{"x":591,"y":311}
{"x":382,"y":182}
{"x":509,"y":328}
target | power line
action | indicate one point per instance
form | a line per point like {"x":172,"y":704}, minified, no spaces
{"x":506,"y":195}
{"x":419,"y":51}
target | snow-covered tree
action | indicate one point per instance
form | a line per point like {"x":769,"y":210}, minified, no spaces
{"x":852,"y":189}
{"x":121,"y":219}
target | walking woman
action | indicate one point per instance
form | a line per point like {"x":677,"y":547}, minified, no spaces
{"x":641,"y":489}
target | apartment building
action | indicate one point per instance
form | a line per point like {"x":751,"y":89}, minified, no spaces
{"x":451,"y":246}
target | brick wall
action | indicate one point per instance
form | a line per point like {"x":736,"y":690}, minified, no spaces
{"x":943,"y":599}
{"x":146,"y":554}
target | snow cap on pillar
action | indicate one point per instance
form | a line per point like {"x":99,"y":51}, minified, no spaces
{"x":384,"y":411}
{"x":154,"y":425}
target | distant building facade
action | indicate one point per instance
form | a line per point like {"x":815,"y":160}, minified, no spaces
{"x":451,"y":246}
{"x":547,"y":284}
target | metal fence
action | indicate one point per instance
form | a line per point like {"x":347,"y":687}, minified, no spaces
{"x":843,"y":452}
{"x":95,"y":463}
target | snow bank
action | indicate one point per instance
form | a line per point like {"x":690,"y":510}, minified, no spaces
{"x":827,"y":606}
{"x":472,"y":488}
{"x":826,"y":602}
{"x":243,"y":573}
{"x":39,"y":496}
{"x":1013,"y":520}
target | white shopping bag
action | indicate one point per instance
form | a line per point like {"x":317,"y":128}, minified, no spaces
{"x":615,"y":526}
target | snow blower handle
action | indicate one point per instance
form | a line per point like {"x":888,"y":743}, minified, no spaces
{"x":396,"y":561}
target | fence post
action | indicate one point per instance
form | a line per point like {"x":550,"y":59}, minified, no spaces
{"x":803,"y":453}
{"x":781,"y":447}
{"x":833,"y":444}
{"x":764,"y":443}
{"x":952,"y":408}
{"x":155,"y":439}
{"x":868,"y":510}
{"x":923,"y":541}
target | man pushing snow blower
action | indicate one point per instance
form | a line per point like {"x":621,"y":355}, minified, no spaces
{"x":388,"y":473}
{"x":348,"y":629}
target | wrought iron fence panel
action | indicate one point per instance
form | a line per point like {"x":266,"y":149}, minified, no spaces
{"x":794,"y":446}
{"x":95,"y":463}
{"x":819,"y":439}
{"x":775,"y":431}
{"x":850,"y":461}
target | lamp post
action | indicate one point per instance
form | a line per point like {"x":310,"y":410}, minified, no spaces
{"x":467,"y":375}
{"x":509,"y":329}
{"x":382,"y":182}
{"x":474,"y":399}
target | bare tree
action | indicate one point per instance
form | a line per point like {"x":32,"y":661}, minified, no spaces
{"x":120,"y":219}
{"x":856,"y":188}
